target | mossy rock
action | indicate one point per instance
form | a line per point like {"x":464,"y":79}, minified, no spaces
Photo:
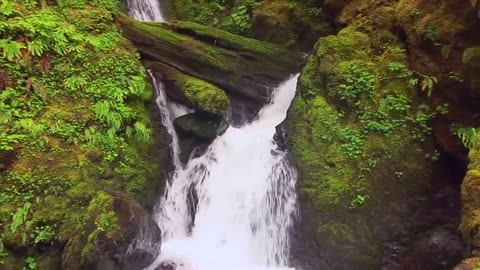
{"x":118,"y":233}
{"x":362,"y":159}
{"x":191,"y":91}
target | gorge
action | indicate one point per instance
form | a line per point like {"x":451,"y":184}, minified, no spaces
{"x":247,"y":134}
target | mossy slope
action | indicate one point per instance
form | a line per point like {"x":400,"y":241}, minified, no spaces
{"x":73,"y":102}
{"x":360,"y":139}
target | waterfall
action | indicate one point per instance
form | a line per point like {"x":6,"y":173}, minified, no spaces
{"x":233,"y":206}
{"x":245,"y":199}
{"x":145,"y":10}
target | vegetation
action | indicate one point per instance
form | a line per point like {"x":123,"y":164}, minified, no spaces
{"x":72,"y":114}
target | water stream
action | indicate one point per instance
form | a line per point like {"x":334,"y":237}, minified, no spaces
{"x":232,"y":207}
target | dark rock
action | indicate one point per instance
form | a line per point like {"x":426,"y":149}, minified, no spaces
{"x":440,"y":248}
{"x":202,"y":127}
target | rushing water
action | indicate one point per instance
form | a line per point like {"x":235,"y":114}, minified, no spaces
{"x":232,"y":207}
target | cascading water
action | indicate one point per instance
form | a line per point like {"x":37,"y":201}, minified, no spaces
{"x":246,"y":200}
{"x":232,"y":207}
{"x":145,"y":10}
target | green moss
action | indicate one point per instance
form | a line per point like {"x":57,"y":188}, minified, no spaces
{"x":206,"y":96}
{"x":105,"y":220}
{"x":471,"y":56}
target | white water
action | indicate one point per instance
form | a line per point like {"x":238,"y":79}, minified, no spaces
{"x":232,"y":207}
{"x":246,"y":199}
{"x":145,"y":10}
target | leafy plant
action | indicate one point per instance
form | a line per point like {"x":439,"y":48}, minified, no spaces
{"x":359,"y":82}
{"x":359,"y":200}
{"x":467,"y":135}
{"x":415,"y":13}
{"x":42,"y":234}
{"x":31,"y":263}
{"x":428,"y":83}
{"x":431,"y":33}
{"x":20,"y":217}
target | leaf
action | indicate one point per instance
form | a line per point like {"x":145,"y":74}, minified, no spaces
{"x":11,"y":49}
{"x":36,"y":47}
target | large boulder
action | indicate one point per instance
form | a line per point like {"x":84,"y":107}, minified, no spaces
{"x":119,"y":234}
{"x":371,"y":185}
{"x":243,"y":67}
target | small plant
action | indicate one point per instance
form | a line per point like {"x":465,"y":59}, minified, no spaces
{"x":42,"y":234}
{"x":466,"y":134}
{"x":455,"y":76}
{"x":428,"y":83}
{"x":20,"y":217}
{"x":31,"y":263}
{"x":431,"y":33}
{"x":353,"y":146}
{"x":358,"y":200}
{"x":359,"y":82}
{"x":400,"y":69}
{"x":415,"y":13}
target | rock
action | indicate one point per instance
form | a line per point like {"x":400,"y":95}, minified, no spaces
{"x":440,"y":248}
{"x":120,"y":234}
{"x":368,"y":194}
{"x":471,"y":62}
{"x":200,"y":126}
{"x":191,"y":91}
{"x":470,"y":190}
{"x":241,"y":66}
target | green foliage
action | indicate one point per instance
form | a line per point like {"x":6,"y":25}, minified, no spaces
{"x":359,"y":82}
{"x":466,"y":135}
{"x":231,"y":16}
{"x":428,"y":83}
{"x":42,"y":234}
{"x":431,"y":33}
{"x":239,"y":21}
{"x":415,"y":13}
{"x":31,"y":263}
{"x":358,"y":200}
{"x":353,"y":142}
{"x":11,"y":49}
{"x":400,"y":70}
{"x":20,"y":217}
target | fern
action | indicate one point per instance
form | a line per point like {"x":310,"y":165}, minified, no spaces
{"x":467,"y":136}
{"x":20,"y":217}
{"x":7,"y":8}
{"x":142,"y":133}
{"x":36,"y":47}
{"x":11,"y":49}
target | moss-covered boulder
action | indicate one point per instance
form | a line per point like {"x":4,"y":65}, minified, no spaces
{"x":119,"y":234}
{"x":242,"y":67}
{"x":360,"y":138}
{"x":470,"y":226}
{"x":471,"y":62}
{"x":191,"y":91}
